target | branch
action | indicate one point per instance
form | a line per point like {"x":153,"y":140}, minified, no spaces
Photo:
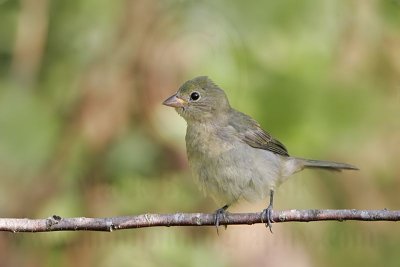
{"x":56,"y":223}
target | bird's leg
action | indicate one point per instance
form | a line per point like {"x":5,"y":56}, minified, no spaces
{"x":220,"y":213}
{"x":268,"y":211}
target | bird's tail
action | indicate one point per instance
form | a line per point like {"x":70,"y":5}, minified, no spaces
{"x":327,"y":165}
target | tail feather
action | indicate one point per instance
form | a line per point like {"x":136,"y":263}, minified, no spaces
{"x":328,"y":165}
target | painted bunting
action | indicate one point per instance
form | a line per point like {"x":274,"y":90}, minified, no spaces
{"x":230,"y":155}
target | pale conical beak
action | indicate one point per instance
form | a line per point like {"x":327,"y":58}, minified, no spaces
{"x":174,"y":101}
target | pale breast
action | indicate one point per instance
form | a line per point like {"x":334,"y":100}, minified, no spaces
{"x":226,"y":168}
{"x":207,"y":141}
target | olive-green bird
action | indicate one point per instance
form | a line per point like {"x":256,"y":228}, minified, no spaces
{"x":230,"y":155}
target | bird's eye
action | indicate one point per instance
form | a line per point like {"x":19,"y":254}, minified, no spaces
{"x":194,"y":96}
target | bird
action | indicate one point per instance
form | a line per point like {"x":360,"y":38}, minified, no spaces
{"x":230,"y":155}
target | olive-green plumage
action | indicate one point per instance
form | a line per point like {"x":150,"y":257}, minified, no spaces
{"x":231,"y":156}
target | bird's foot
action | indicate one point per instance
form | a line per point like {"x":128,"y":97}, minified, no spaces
{"x":220,"y":214}
{"x":267,"y":213}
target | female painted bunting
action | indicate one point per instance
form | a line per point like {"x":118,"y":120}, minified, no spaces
{"x":230,"y":155}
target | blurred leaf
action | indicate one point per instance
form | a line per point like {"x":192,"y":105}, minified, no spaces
{"x":28,"y":131}
{"x":133,"y":153}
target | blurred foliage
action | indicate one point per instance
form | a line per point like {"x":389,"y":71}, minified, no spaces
{"x":83,"y":132}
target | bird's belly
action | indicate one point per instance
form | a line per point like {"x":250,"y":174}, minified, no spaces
{"x":237,"y":172}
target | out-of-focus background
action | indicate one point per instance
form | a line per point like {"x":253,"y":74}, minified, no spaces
{"x":83,"y":131}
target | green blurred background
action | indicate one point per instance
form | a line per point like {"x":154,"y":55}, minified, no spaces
{"x":83,"y":131}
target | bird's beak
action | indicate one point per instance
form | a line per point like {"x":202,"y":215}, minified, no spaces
{"x":174,"y":101}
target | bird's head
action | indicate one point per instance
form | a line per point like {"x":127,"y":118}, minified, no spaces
{"x":199,"y":99}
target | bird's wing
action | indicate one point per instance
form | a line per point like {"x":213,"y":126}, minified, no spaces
{"x":252,"y":134}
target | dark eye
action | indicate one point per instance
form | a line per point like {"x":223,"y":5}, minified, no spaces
{"x":194,"y":96}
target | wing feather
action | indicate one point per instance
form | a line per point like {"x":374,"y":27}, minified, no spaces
{"x":252,"y":134}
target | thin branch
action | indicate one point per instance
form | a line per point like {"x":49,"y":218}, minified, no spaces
{"x":56,"y":223}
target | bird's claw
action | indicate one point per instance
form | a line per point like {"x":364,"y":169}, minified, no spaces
{"x":220,"y":214}
{"x":267,"y":213}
